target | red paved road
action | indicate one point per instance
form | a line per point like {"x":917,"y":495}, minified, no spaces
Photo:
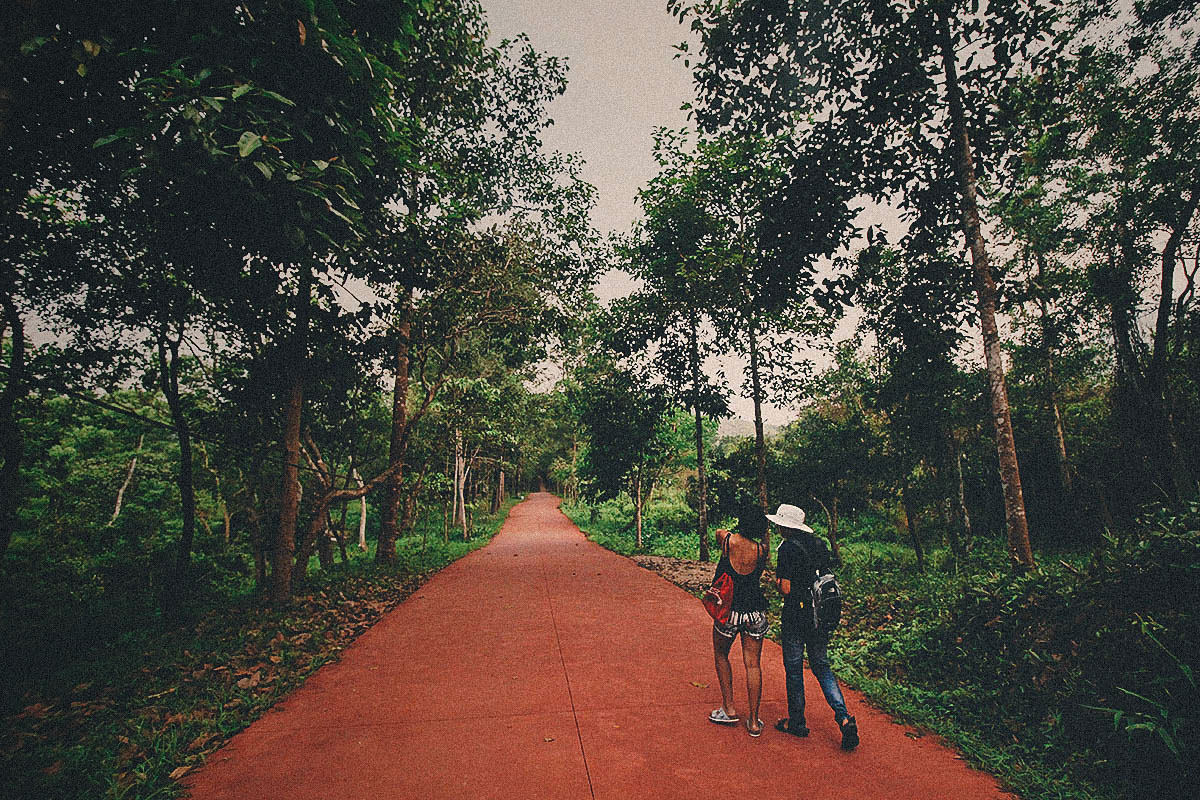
{"x":543,"y":666}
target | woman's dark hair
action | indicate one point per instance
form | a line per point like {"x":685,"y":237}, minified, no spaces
{"x":752,"y":524}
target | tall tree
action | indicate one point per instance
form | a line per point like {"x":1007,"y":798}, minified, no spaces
{"x":908,"y":89}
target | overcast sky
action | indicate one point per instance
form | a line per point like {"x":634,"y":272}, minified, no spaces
{"x":624,"y":83}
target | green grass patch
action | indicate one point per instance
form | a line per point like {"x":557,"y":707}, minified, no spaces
{"x":130,"y":720}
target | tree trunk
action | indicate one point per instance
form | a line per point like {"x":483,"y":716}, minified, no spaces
{"x":832,"y":517}
{"x":760,"y":441}
{"x":460,"y":479}
{"x":701,"y":485}
{"x":339,"y":534}
{"x":129,"y":479}
{"x":910,"y":520}
{"x":325,"y":545}
{"x":833,"y":531}
{"x":499,"y":496}
{"x":258,"y":547}
{"x":12,"y":446}
{"x":289,"y":501}
{"x":393,"y":494}
{"x":168,"y":365}
{"x":446,"y":511}
{"x":1020,"y":551}
{"x":362,"y":513}
{"x":637,"y":506}
{"x":1164,"y":449}
{"x":960,"y":518}
{"x":1166,"y":299}
{"x":1049,"y":340}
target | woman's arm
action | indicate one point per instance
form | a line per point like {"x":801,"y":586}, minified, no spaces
{"x":721,"y":535}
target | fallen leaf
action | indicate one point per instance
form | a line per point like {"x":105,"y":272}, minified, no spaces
{"x":53,"y":768}
{"x":549,"y":739}
{"x":179,"y":772}
{"x":699,"y":685}
{"x":250,"y":682}
{"x":200,"y":742}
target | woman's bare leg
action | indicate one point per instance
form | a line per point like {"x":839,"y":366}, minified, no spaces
{"x":721,"y":645}
{"x":751,"y":654}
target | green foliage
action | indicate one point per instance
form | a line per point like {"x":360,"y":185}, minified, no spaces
{"x":669,"y":525}
{"x":127,"y":719}
{"x":1086,"y":663}
{"x":1074,"y":680}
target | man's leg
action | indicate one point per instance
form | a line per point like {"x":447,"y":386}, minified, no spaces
{"x":792,"y":643}
{"x":818,"y":661}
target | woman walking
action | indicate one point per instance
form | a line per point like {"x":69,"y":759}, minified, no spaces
{"x":743,"y":556}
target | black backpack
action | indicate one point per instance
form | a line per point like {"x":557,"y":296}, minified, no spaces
{"x":826,"y":595}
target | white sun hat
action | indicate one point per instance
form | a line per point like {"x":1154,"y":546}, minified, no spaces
{"x":790,"y":517}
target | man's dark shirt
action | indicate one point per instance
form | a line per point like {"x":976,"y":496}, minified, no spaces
{"x":794,"y":564}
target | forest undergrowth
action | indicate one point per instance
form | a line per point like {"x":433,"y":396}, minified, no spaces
{"x":1074,"y":680}
{"x":129,"y":716}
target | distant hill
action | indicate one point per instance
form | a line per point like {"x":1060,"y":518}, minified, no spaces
{"x":735,"y":426}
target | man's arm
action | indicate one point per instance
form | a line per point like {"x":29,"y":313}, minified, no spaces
{"x":783,"y":572}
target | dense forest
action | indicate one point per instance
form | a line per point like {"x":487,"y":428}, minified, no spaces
{"x":295,"y":302}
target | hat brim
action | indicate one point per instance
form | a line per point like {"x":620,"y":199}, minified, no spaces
{"x":791,"y":524}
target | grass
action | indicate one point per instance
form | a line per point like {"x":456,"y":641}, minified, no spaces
{"x":1074,"y":681}
{"x":130,"y":721}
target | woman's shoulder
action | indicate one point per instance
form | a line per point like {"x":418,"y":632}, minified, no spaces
{"x":746,"y":544}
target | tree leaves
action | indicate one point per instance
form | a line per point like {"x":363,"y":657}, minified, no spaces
{"x":248,"y":142}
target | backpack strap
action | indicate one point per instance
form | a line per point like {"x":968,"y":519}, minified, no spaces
{"x":808,"y":554}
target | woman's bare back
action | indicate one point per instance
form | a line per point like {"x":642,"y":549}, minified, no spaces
{"x":744,"y":553}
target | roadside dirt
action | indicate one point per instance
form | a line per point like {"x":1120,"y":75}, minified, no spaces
{"x":691,"y":576}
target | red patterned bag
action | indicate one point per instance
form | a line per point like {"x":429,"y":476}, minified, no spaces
{"x":718,"y":598}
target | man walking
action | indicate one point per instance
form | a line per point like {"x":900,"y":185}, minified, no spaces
{"x":800,"y":557}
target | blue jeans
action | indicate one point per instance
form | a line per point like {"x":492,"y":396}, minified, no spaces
{"x":793,"y":639}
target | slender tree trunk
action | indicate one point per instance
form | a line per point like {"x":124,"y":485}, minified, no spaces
{"x":637,"y":506}
{"x":12,"y":446}
{"x":910,"y":520}
{"x":325,"y":545}
{"x":393,"y":493}
{"x":1166,"y":298}
{"x":339,"y":534}
{"x":1020,"y":551}
{"x":289,"y":502}
{"x":460,"y":479}
{"x":1164,"y":449}
{"x":960,"y":519}
{"x":446,"y":512}
{"x":168,"y":364}
{"x":832,"y":516}
{"x":257,"y":545}
{"x":362,"y":513}
{"x":498,"y":499}
{"x":760,"y":440}
{"x":128,"y":480}
{"x":1049,"y":341}
{"x":701,"y":483}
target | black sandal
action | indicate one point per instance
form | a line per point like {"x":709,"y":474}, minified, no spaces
{"x":784,"y":725}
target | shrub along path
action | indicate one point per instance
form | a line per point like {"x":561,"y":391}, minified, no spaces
{"x":543,"y":666}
